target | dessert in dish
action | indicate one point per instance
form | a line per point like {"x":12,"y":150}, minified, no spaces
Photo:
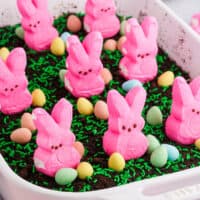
{"x":43,"y":70}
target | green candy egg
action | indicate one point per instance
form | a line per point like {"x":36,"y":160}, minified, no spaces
{"x":65,"y":176}
{"x":19,"y":31}
{"x":153,"y":143}
{"x":62,"y":73}
{"x":154,"y":116}
{"x":159,"y":157}
{"x":123,"y":27}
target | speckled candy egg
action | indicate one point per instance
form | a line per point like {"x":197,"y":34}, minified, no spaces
{"x":74,"y":24}
{"x":38,"y":98}
{"x":4,"y":52}
{"x":57,"y":47}
{"x":121,"y":42}
{"x":101,"y":110}
{"x":106,"y":75}
{"x":116,"y":162}
{"x":110,"y":45}
{"x":65,"y":176}
{"x":79,"y":147}
{"x":21,"y":135}
{"x":166,"y":79}
{"x":84,"y":106}
{"x":27,"y":122}
{"x":85,"y":170}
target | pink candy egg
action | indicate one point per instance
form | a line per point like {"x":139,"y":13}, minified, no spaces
{"x":106,"y":75}
{"x":110,"y":45}
{"x":74,"y":24}
{"x":80,"y":148}
{"x":21,"y":136}
{"x":101,"y":110}
{"x":121,"y":42}
{"x":27,"y":122}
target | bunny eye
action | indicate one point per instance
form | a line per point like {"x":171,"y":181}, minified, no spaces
{"x":52,"y":147}
{"x":123,"y":128}
{"x":193,"y":110}
{"x":90,"y":70}
{"x":80,"y":72}
{"x":134,"y":125}
{"x":6,"y":89}
{"x":147,"y":54}
{"x":30,"y":25}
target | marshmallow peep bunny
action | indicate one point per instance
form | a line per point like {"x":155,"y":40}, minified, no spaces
{"x":37,"y":24}
{"x":125,"y":123}
{"x":183,"y":124}
{"x":14,"y":95}
{"x":100,"y":16}
{"x":195,"y":22}
{"x":139,"y":50}
{"x":83,"y":76}
{"x":54,"y":139}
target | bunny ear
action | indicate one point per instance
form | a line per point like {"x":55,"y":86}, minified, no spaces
{"x":44,"y":122}
{"x":117,"y":105}
{"x":3,"y":70}
{"x":195,"y":87}
{"x":181,"y":92}
{"x":41,"y":4}
{"x":134,"y":31}
{"x":26,"y":7}
{"x":16,"y":61}
{"x":150,"y":27}
{"x":136,"y":99}
{"x":62,"y":113}
{"x":76,"y":50}
{"x":93,"y":44}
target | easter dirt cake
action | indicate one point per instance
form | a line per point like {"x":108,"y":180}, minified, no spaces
{"x":90,"y":102}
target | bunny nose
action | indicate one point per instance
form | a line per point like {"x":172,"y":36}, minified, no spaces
{"x":85,"y":73}
{"x":35,"y":26}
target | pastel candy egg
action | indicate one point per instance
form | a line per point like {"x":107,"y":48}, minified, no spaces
{"x":154,"y":116}
{"x":197,"y":144}
{"x":4,"y":52}
{"x":21,"y":135}
{"x":74,"y":24}
{"x":84,"y":106}
{"x":110,"y":45}
{"x":121,"y":42}
{"x":116,"y":162}
{"x":159,"y":157}
{"x":19,"y":31}
{"x":106,"y":75}
{"x":65,"y":176}
{"x":101,"y":110}
{"x":153,"y":143}
{"x":85,"y":170}
{"x":123,"y":27}
{"x":64,"y":36}
{"x":80,"y":148}
{"x":172,"y":151}
{"x":166,"y":79}
{"x":128,"y":85}
{"x":62,"y":73}
{"x":57,"y":47}
{"x":27,"y":122}
{"x":38,"y":98}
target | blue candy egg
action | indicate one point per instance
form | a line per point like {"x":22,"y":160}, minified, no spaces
{"x":128,"y":85}
{"x":64,"y":36}
{"x":173,"y":153}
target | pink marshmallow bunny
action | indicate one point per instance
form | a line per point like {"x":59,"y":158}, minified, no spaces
{"x":125,"y":124}
{"x":183,"y":124}
{"x":37,"y":24}
{"x":14,"y":95}
{"x":100,"y":16}
{"x":139,"y":50}
{"x":195,"y":22}
{"x":83,"y":77}
{"x":54,"y":139}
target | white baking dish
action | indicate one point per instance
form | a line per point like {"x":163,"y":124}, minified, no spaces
{"x":182,"y":45}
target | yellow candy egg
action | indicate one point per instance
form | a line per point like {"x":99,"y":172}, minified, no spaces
{"x":197,"y":144}
{"x":166,"y":79}
{"x":57,"y":47}
{"x":27,"y":122}
{"x":38,"y":98}
{"x":106,"y":75}
{"x":101,"y":110}
{"x":84,"y":106}
{"x":21,"y":135}
{"x":4,"y":53}
{"x":116,"y":162}
{"x":85,"y":170}
{"x":110,"y":45}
